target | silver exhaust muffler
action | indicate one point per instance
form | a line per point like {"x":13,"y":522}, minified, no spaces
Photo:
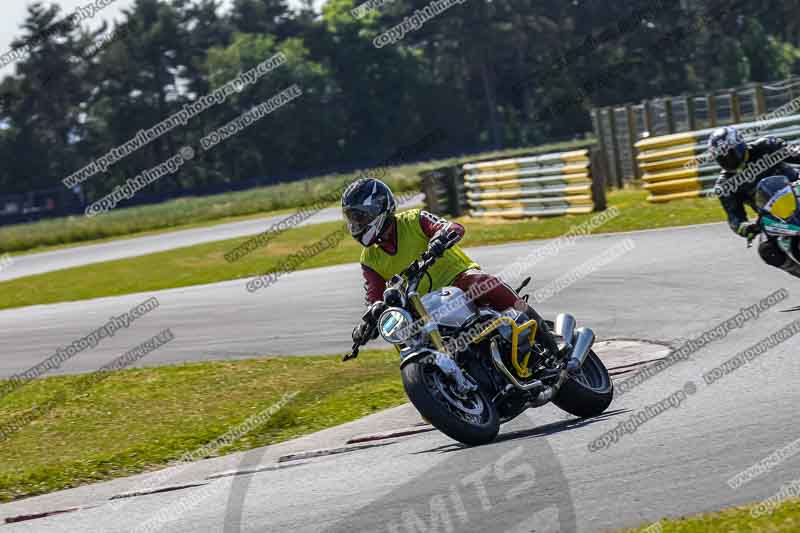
{"x":580,"y":351}
{"x":565,"y":327}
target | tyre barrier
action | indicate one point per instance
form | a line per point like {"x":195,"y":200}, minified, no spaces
{"x":543,"y":185}
{"x":677,"y":166}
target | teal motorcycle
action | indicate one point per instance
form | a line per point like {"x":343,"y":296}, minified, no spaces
{"x":779,"y":217}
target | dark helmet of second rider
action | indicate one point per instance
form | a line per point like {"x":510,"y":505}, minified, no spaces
{"x":368,"y":206}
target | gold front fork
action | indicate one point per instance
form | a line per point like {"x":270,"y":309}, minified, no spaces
{"x":435,"y":336}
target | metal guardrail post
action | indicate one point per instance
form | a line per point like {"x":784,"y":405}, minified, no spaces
{"x":609,"y":148}
{"x":691,"y":113}
{"x":444,"y":191}
{"x":711,"y":105}
{"x":431,"y":188}
{"x":597,"y":126}
{"x":614,"y":164}
{"x":456,"y":195}
{"x":631,"y":124}
{"x":599,"y":166}
{"x":736,"y":107}
{"x":648,"y":116}
{"x":669,"y":115}
{"x":760,"y":100}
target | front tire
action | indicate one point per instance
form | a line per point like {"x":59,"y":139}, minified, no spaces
{"x":473,"y":421}
{"x":589,"y":393}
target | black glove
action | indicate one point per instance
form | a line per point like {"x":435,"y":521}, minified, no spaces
{"x":748,"y":229}
{"x":368,"y":330}
{"x":438,"y":244}
{"x":364,"y":332}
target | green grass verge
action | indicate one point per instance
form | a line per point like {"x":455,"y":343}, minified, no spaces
{"x":148,"y":233}
{"x":191,"y":212}
{"x":205,"y":263}
{"x":140,"y":419}
{"x":785,"y":518}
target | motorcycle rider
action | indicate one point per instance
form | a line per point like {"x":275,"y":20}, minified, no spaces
{"x":743,"y":166}
{"x":393,"y":241}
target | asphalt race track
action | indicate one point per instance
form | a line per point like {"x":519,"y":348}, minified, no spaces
{"x":674,"y":283}
{"x":28,"y":265}
{"x":540,"y":475}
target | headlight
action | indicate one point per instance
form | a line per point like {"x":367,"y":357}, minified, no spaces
{"x":395,"y":325}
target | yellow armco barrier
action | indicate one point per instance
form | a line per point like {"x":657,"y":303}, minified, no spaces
{"x":524,"y":172}
{"x":681,"y":151}
{"x":666,"y":141}
{"x":573,"y":201}
{"x":673,"y":175}
{"x":543,"y":181}
{"x":558,"y":193}
{"x":666,"y":164}
{"x":526,"y":212}
{"x":676,"y":166}
{"x":545,"y":185}
{"x":578,"y":156}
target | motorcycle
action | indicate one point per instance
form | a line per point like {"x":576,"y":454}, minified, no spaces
{"x":468,"y":369}
{"x":779,"y":218}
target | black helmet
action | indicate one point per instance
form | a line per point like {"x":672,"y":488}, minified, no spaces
{"x":368,"y":206}
{"x":728,"y":148}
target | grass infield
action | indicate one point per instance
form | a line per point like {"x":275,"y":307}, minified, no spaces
{"x":138,"y":420}
{"x":785,"y":518}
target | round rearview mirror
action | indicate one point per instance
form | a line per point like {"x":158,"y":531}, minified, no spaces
{"x":395,"y":325}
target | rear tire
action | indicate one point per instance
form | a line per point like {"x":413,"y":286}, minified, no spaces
{"x":423,"y":384}
{"x":588,"y":394}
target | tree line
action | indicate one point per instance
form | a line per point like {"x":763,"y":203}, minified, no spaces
{"x":491,"y":74}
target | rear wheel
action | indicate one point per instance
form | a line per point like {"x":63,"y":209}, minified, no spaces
{"x":471,"y":419}
{"x":590,"y":392}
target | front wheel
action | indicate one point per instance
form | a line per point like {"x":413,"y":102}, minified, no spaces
{"x":472,"y":420}
{"x":590,"y":392}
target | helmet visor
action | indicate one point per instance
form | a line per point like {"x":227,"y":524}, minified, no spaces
{"x":359,"y":219}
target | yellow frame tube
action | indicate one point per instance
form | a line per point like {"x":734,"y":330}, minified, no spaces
{"x":521,"y":368}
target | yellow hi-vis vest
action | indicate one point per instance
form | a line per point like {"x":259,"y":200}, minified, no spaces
{"x":411,"y":242}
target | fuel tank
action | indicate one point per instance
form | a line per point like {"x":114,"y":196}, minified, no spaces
{"x":449,"y":307}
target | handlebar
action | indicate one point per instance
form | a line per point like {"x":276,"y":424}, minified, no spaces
{"x":360,"y":342}
{"x":413,"y":274}
{"x":426,"y":260}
